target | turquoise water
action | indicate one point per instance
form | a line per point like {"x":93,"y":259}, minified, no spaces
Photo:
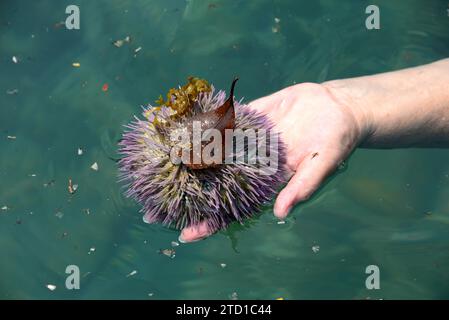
{"x":388,"y":208}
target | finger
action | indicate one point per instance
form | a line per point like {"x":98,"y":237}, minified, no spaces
{"x":309,"y":175}
{"x":195,"y":233}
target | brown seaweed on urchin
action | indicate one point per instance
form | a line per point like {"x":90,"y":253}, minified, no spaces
{"x":184,"y":194}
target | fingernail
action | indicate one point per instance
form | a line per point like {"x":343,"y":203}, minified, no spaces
{"x":286,"y":213}
{"x":275,"y":212}
{"x":281,"y":216}
{"x":180,"y":239}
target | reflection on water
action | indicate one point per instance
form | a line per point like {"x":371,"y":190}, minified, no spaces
{"x":388,"y":208}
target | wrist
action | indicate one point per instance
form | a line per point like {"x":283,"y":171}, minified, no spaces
{"x":352,"y":98}
{"x":401,"y":108}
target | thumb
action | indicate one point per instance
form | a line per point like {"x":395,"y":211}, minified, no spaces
{"x":310,"y":173}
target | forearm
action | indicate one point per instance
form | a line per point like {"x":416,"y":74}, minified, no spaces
{"x":403,"y":108}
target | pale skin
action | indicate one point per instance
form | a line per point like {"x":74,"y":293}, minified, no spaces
{"x":321,"y":124}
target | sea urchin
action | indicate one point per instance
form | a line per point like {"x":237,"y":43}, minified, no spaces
{"x":200,"y":157}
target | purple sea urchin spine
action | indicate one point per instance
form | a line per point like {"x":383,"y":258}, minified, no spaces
{"x":177,"y":196}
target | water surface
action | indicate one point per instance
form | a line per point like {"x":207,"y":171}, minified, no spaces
{"x":388,"y":208}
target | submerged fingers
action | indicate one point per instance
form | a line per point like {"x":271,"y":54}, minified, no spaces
{"x":195,"y":233}
{"x":309,"y":175}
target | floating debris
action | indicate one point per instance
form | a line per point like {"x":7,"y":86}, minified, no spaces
{"x":5,"y":208}
{"x":151,"y":294}
{"x":80,"y":152}
{"x":86,"y":211}
{"x":94,"y":166}
{"x":132,"y":273}
{"x":12,"y":91}
{"x":76,"y":64}
{"x":168,"y":252}
{"x":315,"y":249}
{"x":234,"y":296}
{"x":136,"y":51}
{"x":281,"y":222}
{"x":120,"y":42}
{"x":59,"y":214}
{"x":32,"y":175}
{"x":342,"y":165}
{"x":174,"y":244}
{"x":51,"y":287}
{"x":14,"y":59}
{"x":11,"y":137}
{"x":276,"y":28}
{"x":64,"y":234}
{"x":91,"y":250}
{"x":59,"y":24}
{"x":49,"y":183}
{"x":223,"y":265}
{"x":72,"y":187}
{"x":105,"y":87}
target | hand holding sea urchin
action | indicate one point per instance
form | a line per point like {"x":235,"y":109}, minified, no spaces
{"x":199,"y":157}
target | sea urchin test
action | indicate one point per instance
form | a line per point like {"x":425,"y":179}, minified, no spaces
{"x":201,"y":157}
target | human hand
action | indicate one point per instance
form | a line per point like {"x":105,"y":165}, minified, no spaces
{"x":319,"y":127}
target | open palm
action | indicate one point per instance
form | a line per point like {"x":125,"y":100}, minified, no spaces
{"x":319,"y":132}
